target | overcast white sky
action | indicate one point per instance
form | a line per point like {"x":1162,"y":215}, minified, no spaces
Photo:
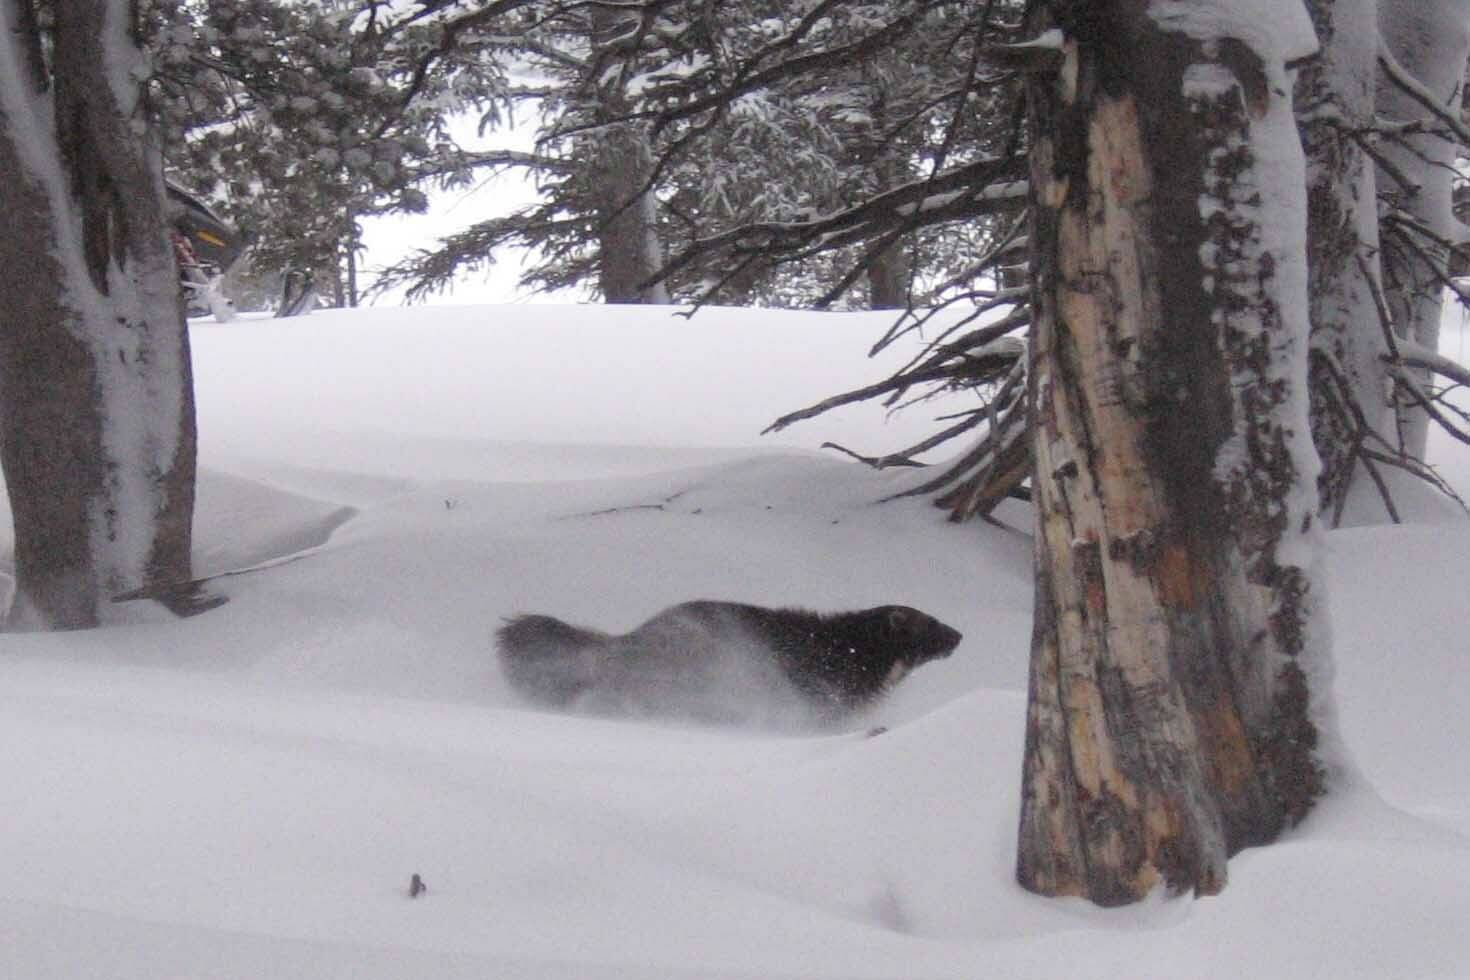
{"x":389,"y":238}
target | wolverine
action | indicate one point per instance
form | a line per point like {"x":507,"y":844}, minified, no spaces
{"x":723,"y":662}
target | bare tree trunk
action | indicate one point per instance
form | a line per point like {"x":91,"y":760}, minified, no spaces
{"x":888,"y":279}
{"x":1335,"y":99}
{"x":352,"y":295}
{"x":628,"y":246}
{"x":96,"y":396}
{"x":890,"y":272}
{"x":629,"y":251}
{"x":1168,"y":722}
{"x":1431,"y":40}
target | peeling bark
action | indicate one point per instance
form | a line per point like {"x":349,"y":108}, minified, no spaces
{"x":1167,"y":725}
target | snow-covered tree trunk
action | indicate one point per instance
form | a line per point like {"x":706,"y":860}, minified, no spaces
{"x":1335,"y":99}
{"x":1430,"y":41}
{"x":629,"y":250}
{"x":96,"y":413}
{"x":1176,"y":637}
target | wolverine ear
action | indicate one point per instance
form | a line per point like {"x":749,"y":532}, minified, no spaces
{"x":898,"y":617}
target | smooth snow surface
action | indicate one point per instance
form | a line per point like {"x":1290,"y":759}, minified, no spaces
{"x":246,"y":794}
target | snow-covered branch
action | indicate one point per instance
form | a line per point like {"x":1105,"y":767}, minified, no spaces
{"x":1412,"y":87}
{"x":987,"y":186}
{"x":1413,"y":355}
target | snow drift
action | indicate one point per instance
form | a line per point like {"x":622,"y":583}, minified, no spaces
{"x":247,"y":793}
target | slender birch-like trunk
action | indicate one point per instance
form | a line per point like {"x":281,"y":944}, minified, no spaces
{"x":1335,"y":96}
{"x":96,"y":412}
{"x":1430,"y":39}
{"x":1171,"y":717}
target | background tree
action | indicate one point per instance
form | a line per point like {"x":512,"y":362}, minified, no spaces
{"x":578,"y":67}
{"x":1335,"y":97}
{"x":96,"y":404}
{"x":1421,"y":53}
{"x":786,"y":150}
{"x":299,"y":119}
{"x":953,"y":123}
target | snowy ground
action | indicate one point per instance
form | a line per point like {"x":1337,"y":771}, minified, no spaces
{"x":246,"y":794}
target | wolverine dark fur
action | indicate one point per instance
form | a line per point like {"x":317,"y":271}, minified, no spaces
{"x":723,"y":661}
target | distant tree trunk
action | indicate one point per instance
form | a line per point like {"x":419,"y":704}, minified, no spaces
{"x":1168,"y":723}
{"x":629,"y":250}
{"x":352,"y":297}
{"x":350,"y":244}
{"x":889,"y":160}
{"x":96,"y":405}
{"x":1431,"y":40}
{"x":628,"y":245}
{"x":1335,"y":98}
{"x":888,"y":279}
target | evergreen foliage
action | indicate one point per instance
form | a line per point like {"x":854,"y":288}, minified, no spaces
{"x":299,"y":118}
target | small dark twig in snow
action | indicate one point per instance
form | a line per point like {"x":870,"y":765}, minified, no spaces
{"x":663,"y":504}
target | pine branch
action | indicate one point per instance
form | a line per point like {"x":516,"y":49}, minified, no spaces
{"x":750,"y":80}
{"x":1424,"y":401}
{"x":973,"y":195}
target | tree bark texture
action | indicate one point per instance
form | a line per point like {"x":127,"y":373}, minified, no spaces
{"x":1168,"y":723}
{"x":888,"y":279}
{"x":97,"y":432}
{"x":1335,"y":98}
{"x":1431,"y":40}
{"x":629,"y":250}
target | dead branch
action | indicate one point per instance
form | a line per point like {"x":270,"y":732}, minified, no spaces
{"x":1415,"y":90}
{"x":1340,"y":400}
{"x":973,"y":346}
{"x":1405,"y":226}
{"x":1421,"y":470}
{"x":876,"y":462}
{"x":1422,"y":399}
{"x":920,"y":320}
{"x":982,"y":493}
{"x":970,"y":421}
{"x":860,"y":394}
{"x":1413,"y":355}
{"x":1010,"y":391}
{"x":1367,"y":142}
{"x":1380,"y":302}
{"x":977,"y":456}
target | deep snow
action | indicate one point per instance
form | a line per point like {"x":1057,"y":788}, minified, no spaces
{"x":247,"y":793}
